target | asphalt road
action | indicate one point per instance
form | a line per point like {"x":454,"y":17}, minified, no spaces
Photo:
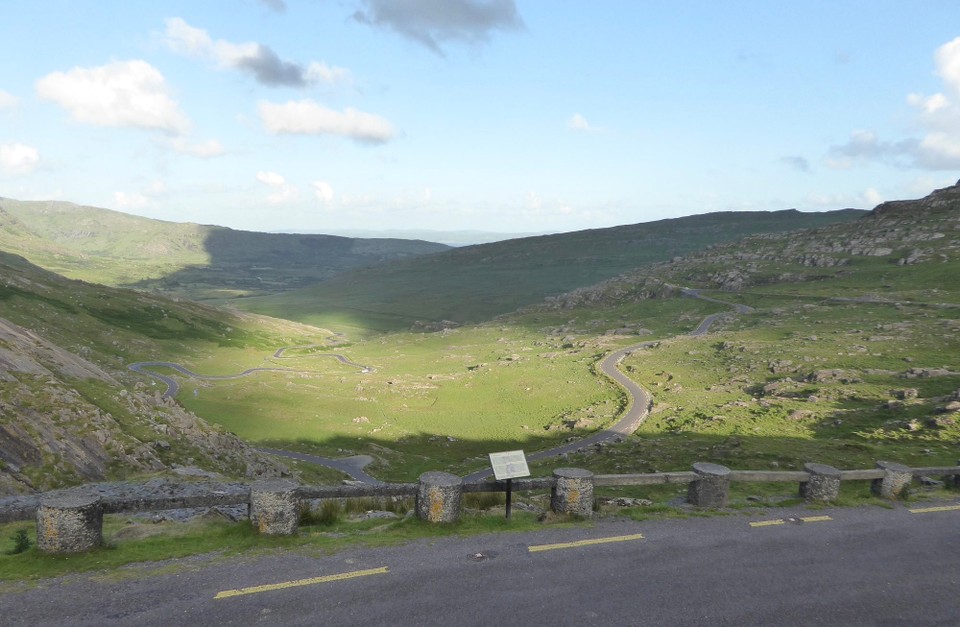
{"x":856,"y":566}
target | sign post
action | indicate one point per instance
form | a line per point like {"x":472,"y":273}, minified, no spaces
{"x":509,"y":465}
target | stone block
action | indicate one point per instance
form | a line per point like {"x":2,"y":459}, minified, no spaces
{"x":896,"y":479}
{"x":439,"y":497}
{"x":711,"y":487}
{"x":69,"y":523}
{"x":572,"y":492}
{"x":275,"y":507}
{"x":823,"y":486}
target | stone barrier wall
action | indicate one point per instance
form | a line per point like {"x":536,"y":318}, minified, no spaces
{"x":70,"y":521}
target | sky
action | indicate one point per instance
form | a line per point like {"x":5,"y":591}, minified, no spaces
{"x":492,"y":115}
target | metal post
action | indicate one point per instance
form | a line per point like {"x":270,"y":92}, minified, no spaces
{"x":509,"y":495}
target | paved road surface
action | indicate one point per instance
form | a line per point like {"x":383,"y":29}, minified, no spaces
{"x":350,"y":466}
{"x":863,"y":566}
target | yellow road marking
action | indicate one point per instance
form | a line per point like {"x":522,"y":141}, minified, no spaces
{"x":300,"y":582}
{"x":768,"y":523}
{"x":946,"y":508}
{"x":569,"y":545}
{"x":781,"y":521}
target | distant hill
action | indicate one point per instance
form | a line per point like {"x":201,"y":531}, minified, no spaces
{"x":476,"y":283}
{"x":450,"y":238}
{"x":199,"y":261}
{"x":906,"y":250}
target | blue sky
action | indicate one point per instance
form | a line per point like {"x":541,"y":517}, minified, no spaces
{"x":495,"y":115}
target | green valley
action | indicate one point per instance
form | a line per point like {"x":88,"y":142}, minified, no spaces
{"x":849,"y":355}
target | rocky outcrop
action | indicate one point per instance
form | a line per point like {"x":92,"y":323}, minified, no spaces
{"x":902,"y":233}
{"x":64,"y":420}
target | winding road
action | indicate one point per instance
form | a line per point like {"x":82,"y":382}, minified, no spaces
{"x":640,"y":400}
{"x":637,"y":409}
{"x":173,"y":386}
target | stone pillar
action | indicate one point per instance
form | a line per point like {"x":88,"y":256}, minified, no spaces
{"x":69,"y":523}
{"x":823,"y":485}
{"x":275,"y":507}
{"x":572,"y":492}
{"x":711,"y":486}
{"x":896,"y":479}
{"x":439,"y":497}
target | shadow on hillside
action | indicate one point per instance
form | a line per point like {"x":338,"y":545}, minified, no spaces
{"x":246,"y":263}
{"x":830,"y":441}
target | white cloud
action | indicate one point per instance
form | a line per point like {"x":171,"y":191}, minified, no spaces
{"x":185,"y":39}
{"x":204,"y":150}
{"x":930,"y":105}
{"x":938,"y":115}
{"x":7,"y":100}
{"x":939,"y":151}
{"x":271,"y":179}
{"x":306,"y":117}
{"x":323,"y":191}
{"x":579,"y":123}
{"x":156,"y":188}
{"x":18,"y":158}
{"x":947,"y":57}
{"x":533,"y":201}
{"x":282,"y":192}
{"x":256,"y":59}
{"x":430,"y":23}
{"x":869,"y":198}
{"x":135,"y":200}
{"x":872,"y":196}
{"x":124,"y":93}
{"x":321,"y":72}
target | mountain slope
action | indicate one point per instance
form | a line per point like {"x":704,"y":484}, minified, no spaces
{"x":902,"y":250}
{"x":70,"y":411}
{"x":476,"y":283}
{"x":114,"y":248}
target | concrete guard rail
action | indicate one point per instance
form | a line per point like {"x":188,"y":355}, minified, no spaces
{"x":71,"y":521}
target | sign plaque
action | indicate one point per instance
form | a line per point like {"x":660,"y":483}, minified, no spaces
{"x":509,"y":465}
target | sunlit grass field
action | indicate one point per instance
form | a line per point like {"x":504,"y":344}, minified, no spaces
{"x":430,"y":401}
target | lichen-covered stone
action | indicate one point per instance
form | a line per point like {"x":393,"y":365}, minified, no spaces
{"x":69,"y":523}
{"x":275,"y":507}
{"x":572,"y":492}
{"x":439,"y":497}
{"x":711,"y":487}
{"x":823,"y":485}
{"x":896,"y":479}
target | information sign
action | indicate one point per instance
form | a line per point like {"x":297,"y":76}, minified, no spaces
{"x":509,"y":465}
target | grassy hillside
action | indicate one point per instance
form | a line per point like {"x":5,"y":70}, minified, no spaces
{"x":71,"y":411}
{"x":851,"y":355}
{"x":476,"y":283}
{"x":194,"y":260}
{"x":816,"y":373}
